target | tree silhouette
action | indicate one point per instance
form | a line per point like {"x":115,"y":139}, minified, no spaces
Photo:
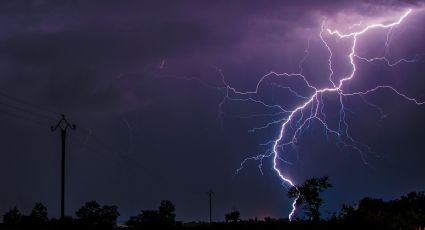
{"x":145,"y":218}
{"x":89,"y":213}
{"x":12,"y":217}
{"x":166,"y":212}
{"x":411,"y":210}
{"x":38,"y":215}
{"x":232,"y":216}
{"x":108,"y":215}
{"x":408,"y":212}
{"x":308,"y":195}
{"x":164,"y":216}
{"x":92,"y":214}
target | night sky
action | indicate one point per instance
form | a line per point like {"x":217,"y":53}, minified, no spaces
{"x":142,"y":81}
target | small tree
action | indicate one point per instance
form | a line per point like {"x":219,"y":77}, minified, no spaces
{"x":166,"y":212}
{"x":92,"y":214}
{"x":12,"y":217}
{"x":232,"y":216}
{"x":145,"y":218}
{"x":164,"y":216}
{"x":38,"y":214}
{"x":308,"y":195}
{"x":108,"y":215}
{"x":88,"y":214}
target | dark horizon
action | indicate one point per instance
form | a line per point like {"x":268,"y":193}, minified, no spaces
{"x":143,"y":82}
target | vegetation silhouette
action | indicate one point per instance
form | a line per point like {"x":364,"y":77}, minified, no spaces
{"x":308,"y":196}
{"x":12,"y":218}
{"x":407,"y":212}
{"x":39,"y":215}
{"x":163,"y":217}
{"x":93,"y":214}
{"x":232,"y":217}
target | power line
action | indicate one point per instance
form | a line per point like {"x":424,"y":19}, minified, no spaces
{"x":105,"y":148}
{"x":16,"y":108}
{"x":14,"y":115}
{"x":11,"y":98}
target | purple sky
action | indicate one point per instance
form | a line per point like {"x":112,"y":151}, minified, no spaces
{"x":132,"y":75}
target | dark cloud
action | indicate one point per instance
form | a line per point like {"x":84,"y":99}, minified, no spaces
{"x":146,"y":132}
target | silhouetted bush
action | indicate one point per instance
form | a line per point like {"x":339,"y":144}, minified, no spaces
{"x":12,"y":218}
{"x":94,"y":215}
{"x":408,"y":212}
{"x":232,"y":216}
{"x":164,"y":216}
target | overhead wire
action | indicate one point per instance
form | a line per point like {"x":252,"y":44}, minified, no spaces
{"x":19,"y":109}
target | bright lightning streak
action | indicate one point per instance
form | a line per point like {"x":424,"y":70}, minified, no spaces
{"x":296,"y":120}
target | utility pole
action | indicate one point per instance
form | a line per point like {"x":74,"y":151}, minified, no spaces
{"x":210,"y":193}
{"x":63,"y":125}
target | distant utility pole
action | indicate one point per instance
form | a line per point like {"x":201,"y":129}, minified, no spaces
{"x":210,"y":193}
{"x":63,"y":124}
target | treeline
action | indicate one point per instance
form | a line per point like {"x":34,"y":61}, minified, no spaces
{"x":407,"y":212}
{"x":91,"y":215}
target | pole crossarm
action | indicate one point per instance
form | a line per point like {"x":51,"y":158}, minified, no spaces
{"x":63,"y":125}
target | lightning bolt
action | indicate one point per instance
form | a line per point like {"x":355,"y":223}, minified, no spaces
{"x":293,"y":122}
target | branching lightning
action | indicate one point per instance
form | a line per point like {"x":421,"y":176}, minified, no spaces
{"x":294,"y":121}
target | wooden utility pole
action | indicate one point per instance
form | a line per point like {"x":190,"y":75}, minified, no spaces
{"x":63,"y":124}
